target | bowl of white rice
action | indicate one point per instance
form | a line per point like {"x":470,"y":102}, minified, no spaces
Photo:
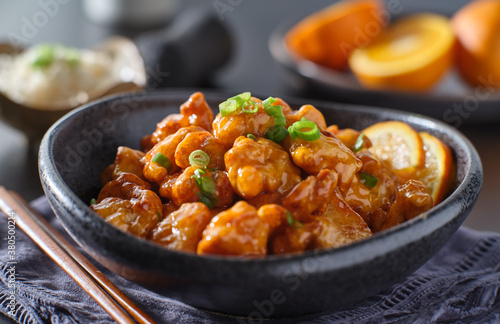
{"x":40,"y":84}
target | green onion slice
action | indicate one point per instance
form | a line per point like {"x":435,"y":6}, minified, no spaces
{"x":93,"y":201}
{"x":276,"y":133}
{"x":245,"y":96}
{"x":279,"y":120}
{"x":268,"y":102}
{"x":360,"y":141}
{"x":243,"y":100}
{"x":274,"y":111}
{"x":250,"y":107}
{"x":159,"y":216}
{"x":291,"y":131}
{"x":162,"y":160}
{"x":206,"y":188}
{"x":310,"y":135}
{"x":291,"y":221}
{"x":208,"y":185}
{"x":251,"y":136}
{"x":199,"y":172}
{"x":209,"y":200}
{"x":45,"y":56}
{"x":199,"y":159}
{"x":368,"y":180}
{"x":227,"y":107}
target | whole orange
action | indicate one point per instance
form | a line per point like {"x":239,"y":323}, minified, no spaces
{"x":477,"y":27}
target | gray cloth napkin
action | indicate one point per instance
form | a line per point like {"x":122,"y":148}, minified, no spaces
{"x":460,"y":284}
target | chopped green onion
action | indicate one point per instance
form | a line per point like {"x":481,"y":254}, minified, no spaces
{"x":208,"y":200}
{"x":268,"y":102}
{"x":159,"y":216}
{"x":291,"y":131}
{"x":368,"y":180}
{"x":199,"y":159}
{"x":93,"y":201}
{"x":291,"y":221}
{"x":206,"y":188}
{"x":162,"y":160}
{"x":279,"y":120}
{"x":276,"y":133}
{"x":310,"y":135}
{"x":251,"y":136}
{"x":250,"y":107}
{"x":227,"y":107}
{"x":359,"y":143}
{"x":245,"y":96}
{"x":45,"y":56}
{"x":242,"y":100}
{"x":274,"y":111}
{"x":208,"y":184}
{"x":199,"y":172}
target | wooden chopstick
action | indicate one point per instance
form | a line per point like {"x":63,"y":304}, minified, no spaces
{"x":86,"y":275}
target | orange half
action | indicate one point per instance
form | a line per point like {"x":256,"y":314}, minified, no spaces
{"x":410,"y":55}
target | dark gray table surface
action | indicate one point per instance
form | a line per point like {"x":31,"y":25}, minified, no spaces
{"x":251,"y":69}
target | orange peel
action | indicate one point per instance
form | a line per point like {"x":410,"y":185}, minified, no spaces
{"x":439,"y":167}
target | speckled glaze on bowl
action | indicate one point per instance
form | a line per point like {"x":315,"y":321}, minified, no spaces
{"x":78,"y":147}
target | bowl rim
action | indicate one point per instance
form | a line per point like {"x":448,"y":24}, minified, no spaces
{"x":404,"y":232}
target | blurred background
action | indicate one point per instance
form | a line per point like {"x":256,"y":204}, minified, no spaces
{"x":248,"y":65}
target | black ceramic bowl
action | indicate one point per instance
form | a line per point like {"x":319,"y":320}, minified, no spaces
{"x":78,"y":147}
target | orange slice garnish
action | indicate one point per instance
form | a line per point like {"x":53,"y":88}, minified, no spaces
{"x":439,"y":167}
{"x":398,"y":146}
{"x":410,"y":55}
{"x":329,"y":36}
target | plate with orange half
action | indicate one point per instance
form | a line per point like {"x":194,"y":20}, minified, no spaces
{"x":427,"y":63}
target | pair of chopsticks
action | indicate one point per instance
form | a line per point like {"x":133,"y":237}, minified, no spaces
{"x":86,"y":275}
